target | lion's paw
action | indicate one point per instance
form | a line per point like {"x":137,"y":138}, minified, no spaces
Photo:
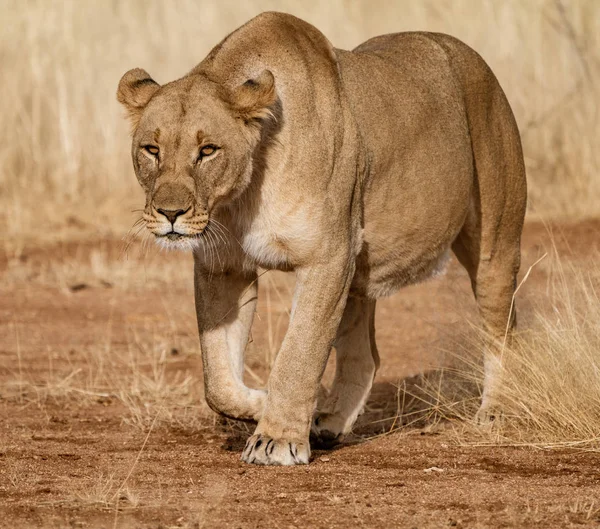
{"x":326,"y":430}
{"x":264,"y":450}
{"x":488,"y":415}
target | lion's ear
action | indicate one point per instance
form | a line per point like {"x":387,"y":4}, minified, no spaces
{"x":254,"y":99}
{"x":136,"y":88}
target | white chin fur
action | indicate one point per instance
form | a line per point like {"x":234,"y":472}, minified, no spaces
{"x":183,"y":244}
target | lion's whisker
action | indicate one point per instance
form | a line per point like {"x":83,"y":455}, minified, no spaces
{"x":129,"y":237}
{"x":219,"y":233}
{"x":215,"y":246}
{"x":228,"y":231}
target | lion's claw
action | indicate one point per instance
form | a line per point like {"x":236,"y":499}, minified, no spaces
{"x":264,"y":450}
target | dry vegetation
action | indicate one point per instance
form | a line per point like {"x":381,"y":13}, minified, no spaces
{"x":551,"y":394}
{"x":64,"y":148}
{"x":552,"y":389}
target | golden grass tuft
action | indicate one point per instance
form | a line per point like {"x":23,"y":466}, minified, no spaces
{"x":551,"y":394}
{"x":551,"y":385}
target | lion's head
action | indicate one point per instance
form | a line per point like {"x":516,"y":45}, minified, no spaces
{"x":193,"y":147}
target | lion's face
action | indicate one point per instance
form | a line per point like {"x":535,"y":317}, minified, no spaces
{"x":193,"y":146}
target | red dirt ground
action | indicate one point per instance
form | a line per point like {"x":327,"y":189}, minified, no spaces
{"x":90,"y":354}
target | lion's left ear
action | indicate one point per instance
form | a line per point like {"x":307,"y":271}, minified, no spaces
{"x":136,"y":88}
{"x":254,"y":99}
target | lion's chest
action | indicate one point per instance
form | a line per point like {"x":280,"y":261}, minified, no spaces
{"x":280,"y":237}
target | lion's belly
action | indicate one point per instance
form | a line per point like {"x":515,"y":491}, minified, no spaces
{"x":409,"y":228}
{"x":391,"y":270}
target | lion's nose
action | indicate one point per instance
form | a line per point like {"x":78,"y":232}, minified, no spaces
{"x":172,"y":214}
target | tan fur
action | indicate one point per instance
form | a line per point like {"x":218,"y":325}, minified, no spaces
{"x":359,"y":171}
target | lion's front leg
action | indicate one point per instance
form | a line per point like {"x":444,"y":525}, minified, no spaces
{"x":357,"y":361}
{"x":225,"y":304}
{"x":282,"y":434}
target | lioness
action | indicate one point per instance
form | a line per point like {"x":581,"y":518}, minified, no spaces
{"x":359,"y":170}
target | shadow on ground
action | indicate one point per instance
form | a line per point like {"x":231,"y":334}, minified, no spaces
{"x":420,"y":402}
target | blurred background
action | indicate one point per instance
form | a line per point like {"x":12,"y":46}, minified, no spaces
{"x":64,"y":150}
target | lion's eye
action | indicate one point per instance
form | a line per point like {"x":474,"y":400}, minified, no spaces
{"x":207,"y":150}
{"x":151,"y":149}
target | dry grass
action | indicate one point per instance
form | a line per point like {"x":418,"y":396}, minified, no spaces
{"x":64,"y":152}
{"x":551,"y":395}
{"x":150,"y":370}
{"x":152,"y":391}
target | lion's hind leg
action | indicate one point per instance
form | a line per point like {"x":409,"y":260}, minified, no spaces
{"x":357,"y":361}
{"x":494,"y":291}
{"x":489,"y":243}
{"x":493,"y":279}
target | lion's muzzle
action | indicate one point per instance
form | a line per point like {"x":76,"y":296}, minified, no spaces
{"x":173,"y":213}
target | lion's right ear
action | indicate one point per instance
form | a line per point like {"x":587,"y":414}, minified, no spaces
{"x":253,"y":99}
{"x":136,"y":88}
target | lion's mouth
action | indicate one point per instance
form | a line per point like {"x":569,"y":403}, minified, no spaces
{"x":175,"y":236}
